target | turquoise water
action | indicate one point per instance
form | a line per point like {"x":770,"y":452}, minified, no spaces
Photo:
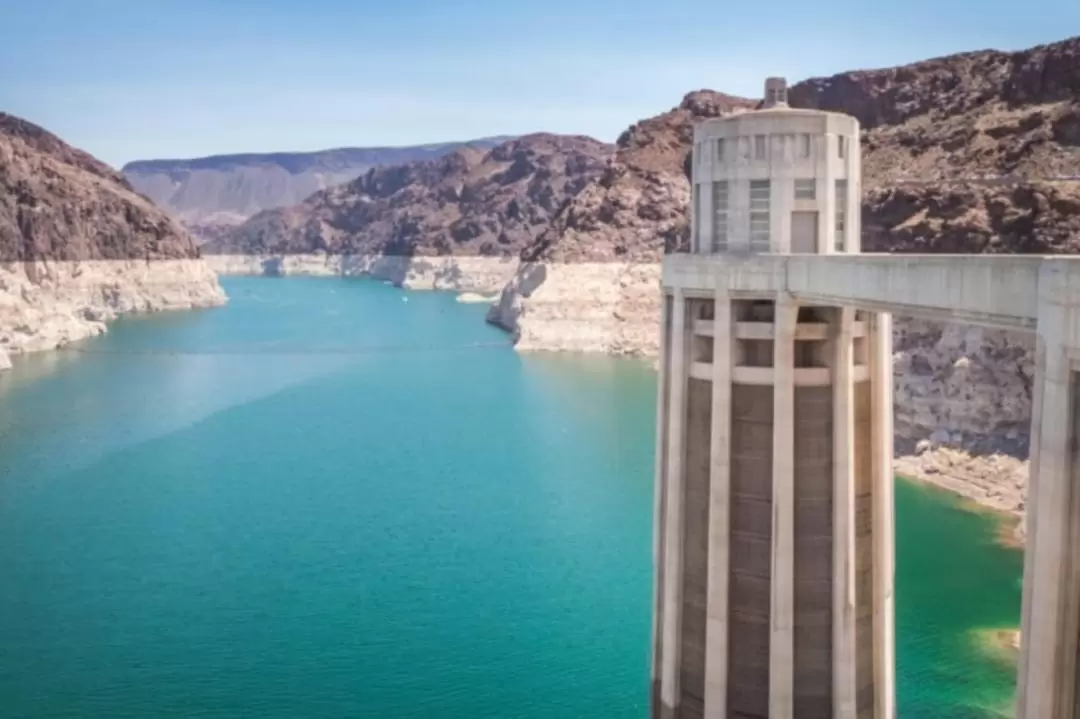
{"x":265,"y":522}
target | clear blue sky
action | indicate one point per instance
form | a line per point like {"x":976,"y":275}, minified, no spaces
{"x":136,"y":79}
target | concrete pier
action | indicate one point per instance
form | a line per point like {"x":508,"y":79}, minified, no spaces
{"x":774,"y":542}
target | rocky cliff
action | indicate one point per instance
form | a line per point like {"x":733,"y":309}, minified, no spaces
{"x":470,"y":202}
{"x":78,"y":245}
{"x":210,"y":193}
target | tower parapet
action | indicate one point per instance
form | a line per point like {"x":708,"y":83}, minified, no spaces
{"x":777,"y":179}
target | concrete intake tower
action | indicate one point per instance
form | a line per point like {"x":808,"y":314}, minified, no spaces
{"x":774,"y":508}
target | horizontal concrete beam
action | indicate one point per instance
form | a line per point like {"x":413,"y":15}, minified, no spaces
{"x":994,"y":290}
{"x":802,"y":376}
{"x":812,"y":331}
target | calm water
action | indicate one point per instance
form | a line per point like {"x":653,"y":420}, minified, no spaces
{"x":266,"y":523}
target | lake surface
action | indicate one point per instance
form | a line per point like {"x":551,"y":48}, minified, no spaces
{"x":333,"y":498}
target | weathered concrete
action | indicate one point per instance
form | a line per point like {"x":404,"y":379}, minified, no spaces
{"x":717,"y":627}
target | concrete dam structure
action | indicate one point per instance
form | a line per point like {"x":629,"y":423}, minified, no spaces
{"x":774,"y":539}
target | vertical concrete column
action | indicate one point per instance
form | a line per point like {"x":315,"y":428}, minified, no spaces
{"x":879,"y":349}
{"x":843,"y":594}
{"x":853,"y":213}
{"x":1031,"y":520}
{"x":782,"y":620}
{"x":671,"y":650}
{"x":738,"y":206}
{"x":1041,"y":694}
{"x":659,"y":487}
{"x":716,"y":623}
{"x":781,"y":204}
{"x":1049,"y":646}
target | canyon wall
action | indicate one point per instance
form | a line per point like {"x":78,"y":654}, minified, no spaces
{"x":78,"y":246}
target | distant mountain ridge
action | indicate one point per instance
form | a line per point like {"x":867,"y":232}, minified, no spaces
{"x":227,"y":189}
{"x":472,"y":201}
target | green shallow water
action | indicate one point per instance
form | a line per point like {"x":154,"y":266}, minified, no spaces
{"x":265,"y":524}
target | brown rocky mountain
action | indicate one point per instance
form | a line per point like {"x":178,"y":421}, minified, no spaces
{"x":472,"y":201}
{"x":963,"y":116}
{"x":209,"y":193}
{"x":1041,"y":217}
{"x":78,"y":246}
{"x":638,"y":207}
{"x":59,"y":203}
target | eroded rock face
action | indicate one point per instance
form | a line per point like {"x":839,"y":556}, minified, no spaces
{"x":470,"y":202}
{"x":961,"y":385}
{"x":967,"y":115}
{"x":59,"y":203}
{"x":78,"y":245}
{"x":1039,"y":217}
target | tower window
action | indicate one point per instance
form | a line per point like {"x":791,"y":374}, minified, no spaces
{"x":804,"y":146}
{"x":805,"y":189}
{"x":720,"y":216}
{"x":720,"y":150}
{"x":841,"y":215}
{"x":841,"y":145}
{"x":759,"y":147}
{"x":759,"y":215}
{"x":696,"y":219}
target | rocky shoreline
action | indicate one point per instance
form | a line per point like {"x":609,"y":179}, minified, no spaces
{"x":962,"y":394}
{"x":46,"y":305}
{"x":479,"y":275}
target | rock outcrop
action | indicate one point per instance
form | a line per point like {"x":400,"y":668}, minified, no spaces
{"x":611,"y":307}
{"x":972,"y":115}
{"x":78,"y":246}
{"x":1030,"y":216}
